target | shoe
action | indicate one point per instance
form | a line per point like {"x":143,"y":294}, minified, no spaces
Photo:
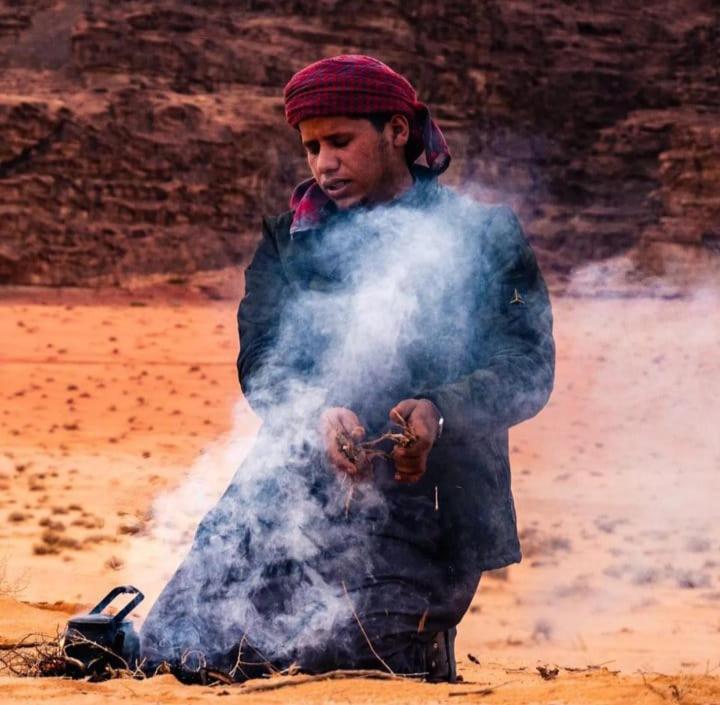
{"x":440,"y":663}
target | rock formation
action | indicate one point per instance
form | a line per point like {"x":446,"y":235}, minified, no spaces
{"x":148,"y":136}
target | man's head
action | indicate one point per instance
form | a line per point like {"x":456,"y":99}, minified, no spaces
{"x":358,"y":160}
{"x":361,"y":125}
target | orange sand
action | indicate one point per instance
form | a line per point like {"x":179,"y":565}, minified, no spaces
{"x":122,"y":421}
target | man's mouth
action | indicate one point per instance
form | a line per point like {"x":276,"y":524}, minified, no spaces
{"x":336,"y":188}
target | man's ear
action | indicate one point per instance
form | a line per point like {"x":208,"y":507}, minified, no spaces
{"x":399,"y":130}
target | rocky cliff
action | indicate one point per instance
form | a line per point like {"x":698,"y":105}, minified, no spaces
{"x":148,"y":136}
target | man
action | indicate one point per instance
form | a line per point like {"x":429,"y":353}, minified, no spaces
{"x":391,"y":332}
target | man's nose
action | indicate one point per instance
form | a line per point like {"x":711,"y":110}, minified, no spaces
{"x":327,"y":161}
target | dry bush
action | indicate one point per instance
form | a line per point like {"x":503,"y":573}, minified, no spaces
{"x":40,"y":656}
{"x":10,"y":587}
{"x":17,"y":517}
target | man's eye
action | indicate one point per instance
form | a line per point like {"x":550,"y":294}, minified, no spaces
{"x":340,"y":143}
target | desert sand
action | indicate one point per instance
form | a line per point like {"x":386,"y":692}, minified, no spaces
{"x":122,"y":421}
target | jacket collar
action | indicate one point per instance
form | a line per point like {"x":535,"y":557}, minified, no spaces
{"x":312,"y":208}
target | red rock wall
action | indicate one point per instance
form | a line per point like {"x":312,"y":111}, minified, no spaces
{"x":144,"y":137}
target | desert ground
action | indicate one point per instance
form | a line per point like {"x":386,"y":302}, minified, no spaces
{"x":122,"y":421}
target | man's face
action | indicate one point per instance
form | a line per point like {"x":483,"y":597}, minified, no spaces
{"x":353,"y":163}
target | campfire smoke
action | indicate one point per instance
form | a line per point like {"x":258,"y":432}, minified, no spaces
{"x":398,"y":274}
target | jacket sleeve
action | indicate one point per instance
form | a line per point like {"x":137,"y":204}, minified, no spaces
{"x":515,"y":351}
{"x":260,"y":371}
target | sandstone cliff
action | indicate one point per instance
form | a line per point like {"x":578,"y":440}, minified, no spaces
{"x":142,"y":137}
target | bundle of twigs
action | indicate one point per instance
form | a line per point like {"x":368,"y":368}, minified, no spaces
{"x":33,"y":656}
{"x":361,"y":454}
{"x":40,"y":656}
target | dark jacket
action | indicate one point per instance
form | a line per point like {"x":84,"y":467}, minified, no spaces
{"x":498,"y":373}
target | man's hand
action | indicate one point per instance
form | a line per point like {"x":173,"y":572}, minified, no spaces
{"x":334,"y":423}
{"x":423,"y":419}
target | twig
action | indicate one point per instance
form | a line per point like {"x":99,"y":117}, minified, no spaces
{"x":348,"y":498}
{"x":399,"y":438}
{"x":236,"y":667}
{"x":590,"y":667}
{"x":265,"y":662}
{"x":365,"y":451}
{"x":78,"y":638}
{"x":219,"y":676}
{"x":47,"y":658}
{"x":364,"y":633}
{"x":292,"y":670}
{"x":399,"y":418}
{"x":23,"y":645}
{"x":408,"y":433}
{"x":229,"y":677}
{"x":362,"y":454}
{"x":288,"y":681}
{"x":423,"y":619}
{"x":485,"y":691}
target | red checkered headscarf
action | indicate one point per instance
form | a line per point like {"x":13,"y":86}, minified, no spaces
{"x":355,"y":85}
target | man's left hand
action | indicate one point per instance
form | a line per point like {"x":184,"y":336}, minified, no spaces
{"x":423,"y":419}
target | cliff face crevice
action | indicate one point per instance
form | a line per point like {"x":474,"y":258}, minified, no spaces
{"x":143,"y":137}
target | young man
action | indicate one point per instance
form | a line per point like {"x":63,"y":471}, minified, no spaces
{"x":391,"y":332}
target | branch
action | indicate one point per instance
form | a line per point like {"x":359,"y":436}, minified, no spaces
{"x":288,"y":681}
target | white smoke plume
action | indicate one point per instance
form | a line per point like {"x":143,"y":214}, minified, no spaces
{"x":404,"y":272}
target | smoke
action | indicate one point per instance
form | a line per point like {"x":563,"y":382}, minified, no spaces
{"x":268,"y":561}
{"x":176,"y":513}
{"x":632,"y":461}
{"x":632,"y":438}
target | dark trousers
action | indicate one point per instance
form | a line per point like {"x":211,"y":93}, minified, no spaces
{"x":246,"y":597}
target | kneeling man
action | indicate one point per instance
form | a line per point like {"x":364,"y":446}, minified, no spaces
{"x":391,"y":332}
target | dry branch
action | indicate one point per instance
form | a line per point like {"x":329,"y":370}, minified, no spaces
{"x":484,"y":691}
{"x":361,"y":454}
{"x":364,"y":633}
{"x":287,"y":681}
{"x":39,"y":656}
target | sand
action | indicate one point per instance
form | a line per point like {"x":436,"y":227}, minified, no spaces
{"x":122,"y":421}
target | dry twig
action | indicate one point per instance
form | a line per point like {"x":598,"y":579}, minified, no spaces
{"x":364,"y":633}
{"x":423,"y":619}
{"x":21,"y":645}
{"x":38,"y":656}
{"x":485,"y":691}
{"x":591,"y":667}
{"x":277,"y":683}
{"x":362,"y":454}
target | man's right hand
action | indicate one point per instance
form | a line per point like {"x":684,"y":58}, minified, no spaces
{"x":335,"y":421}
